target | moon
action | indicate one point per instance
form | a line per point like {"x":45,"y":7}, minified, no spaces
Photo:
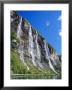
{"x":47,"y":24}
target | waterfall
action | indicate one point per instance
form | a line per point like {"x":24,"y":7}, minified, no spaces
{"x":19,"y":31}
{"x":47,"y":56}
{"x":21,"y":44}
{"x":54,"y":62}
{"x":31,"y":45}
{"x":38,"y":51}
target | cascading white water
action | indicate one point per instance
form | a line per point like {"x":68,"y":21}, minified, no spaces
{"x":38,"y":51}
{"x":19,"y":31}
{"x":54,"y":62}
{"x":46,"y":49}
{"x":31,"y":45}
{"x":21,"y":44}
{"x":47,"y":56}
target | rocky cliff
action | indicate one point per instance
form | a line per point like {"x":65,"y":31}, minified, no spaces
{"x":31,"y":48}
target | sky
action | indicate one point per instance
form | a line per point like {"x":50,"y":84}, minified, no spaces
{"x":48,"y":24}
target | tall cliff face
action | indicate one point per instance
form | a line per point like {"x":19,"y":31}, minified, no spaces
{"x":31,"y":47}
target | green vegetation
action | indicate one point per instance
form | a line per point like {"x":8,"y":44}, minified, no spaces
{"x":14,"y":37}
{"x":17,"y":67}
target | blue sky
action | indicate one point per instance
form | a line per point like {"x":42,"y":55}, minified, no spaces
{"x":47,"y":23}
